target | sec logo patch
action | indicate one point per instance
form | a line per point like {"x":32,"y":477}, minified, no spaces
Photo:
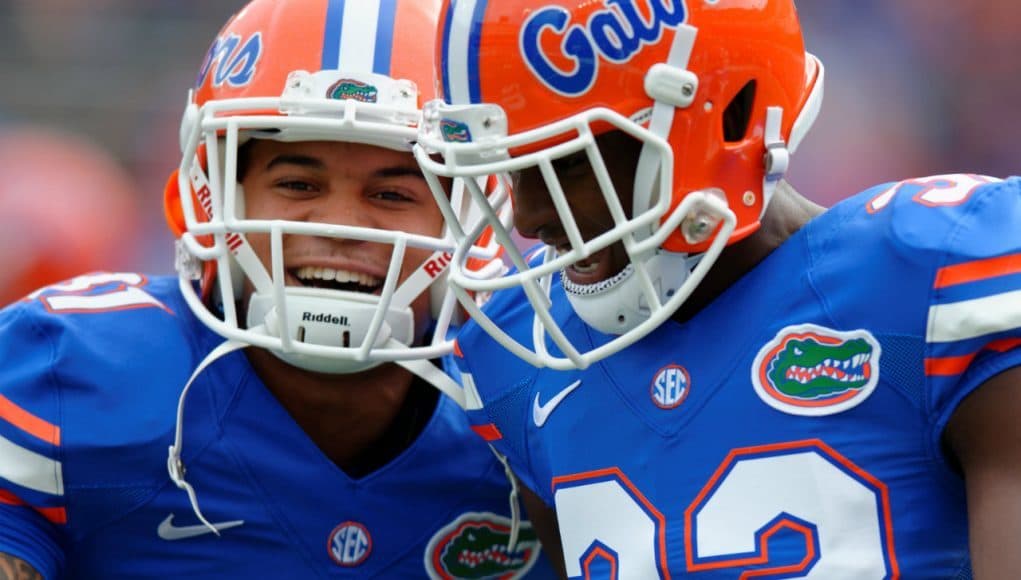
{"x":670,"y":387}
{"x":349,"y":544}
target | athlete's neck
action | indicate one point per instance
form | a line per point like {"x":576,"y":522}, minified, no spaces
{"x":360,"y":421}
{"x":787,"y":213}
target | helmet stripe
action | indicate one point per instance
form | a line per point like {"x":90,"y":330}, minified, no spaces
{"x":331,"y":38}
{"x":461,"y":50}
{"x":359,"y":35}
{"x":475,"y":89}
{"x":385,"y":36}
{"x":445,"y":52}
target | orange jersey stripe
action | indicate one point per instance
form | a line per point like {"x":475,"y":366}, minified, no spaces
{"x":1004,"y":345}
{"x":978,"y":270}
{"x":947,"y":366}
{"x":57,"y":515}
{"x":9,"y":498}
{"x":488,"y":432}
{"x":28,"y":422}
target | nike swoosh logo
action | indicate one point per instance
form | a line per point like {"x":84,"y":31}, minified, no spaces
{"x":540,"y":413}
{"x":168,"y":531}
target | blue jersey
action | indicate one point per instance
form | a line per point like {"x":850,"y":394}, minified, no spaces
{"x":91,"y":375}
{"x":792,"y":428}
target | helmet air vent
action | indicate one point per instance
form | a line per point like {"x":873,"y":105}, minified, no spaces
{"x":738,"y":114}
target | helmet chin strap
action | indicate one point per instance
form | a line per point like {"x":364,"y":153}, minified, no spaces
{"x":310,"y":310}
{"x":332,"y":318}
{"x":618,"y":304}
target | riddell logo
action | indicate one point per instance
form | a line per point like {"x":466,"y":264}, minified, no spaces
{"x":435,"y":266}
{"x":325,"y":317}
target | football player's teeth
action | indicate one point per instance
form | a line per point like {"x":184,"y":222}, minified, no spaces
{"x":342,"y":276}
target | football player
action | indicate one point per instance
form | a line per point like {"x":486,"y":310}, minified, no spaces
{"x":701,"y":371}
{"x":309,"y":235}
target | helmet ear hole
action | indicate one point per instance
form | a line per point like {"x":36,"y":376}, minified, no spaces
{"x":738,"y":114}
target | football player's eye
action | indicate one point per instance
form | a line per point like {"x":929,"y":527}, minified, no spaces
{"x":391,"y":195}
{"x":297,"y":185}
{"x":296,"y":188}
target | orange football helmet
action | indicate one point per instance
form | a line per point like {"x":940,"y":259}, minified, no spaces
{"x":718,"y":93}
{"x":296,"y":70}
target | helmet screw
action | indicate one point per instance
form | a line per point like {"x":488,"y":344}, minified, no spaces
{"x":698,"y":229}
{"x":688,"y":89}
{"x":748,"y":198}
{"x":487,"y":122}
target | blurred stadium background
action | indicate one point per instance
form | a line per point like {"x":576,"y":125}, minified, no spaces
{"x":92,"y":92}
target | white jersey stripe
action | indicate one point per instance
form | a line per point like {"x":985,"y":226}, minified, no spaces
{"x":973,"y":318}
{"x":472,"y":400}
{"x":358,"y":36}
{"x":129,"y":297}
{"x":29,"y":469}
{"x":457,"y":51}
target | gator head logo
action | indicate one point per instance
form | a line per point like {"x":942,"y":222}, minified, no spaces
{"x":475,"y":546}
{"x":812,"y":370}
{"x":455,"y":131}
{"x":350,"y":89}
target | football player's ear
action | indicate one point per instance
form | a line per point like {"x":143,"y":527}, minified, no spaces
{"x":172,"y":210}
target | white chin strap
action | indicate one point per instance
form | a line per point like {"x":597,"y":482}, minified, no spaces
{"x":337,"y":318}
{"x":347,"y":320}
{"x":617,"y":305}
{"x":333,"y":318}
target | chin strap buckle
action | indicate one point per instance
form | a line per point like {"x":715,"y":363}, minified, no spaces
{"x":777,"y":158}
